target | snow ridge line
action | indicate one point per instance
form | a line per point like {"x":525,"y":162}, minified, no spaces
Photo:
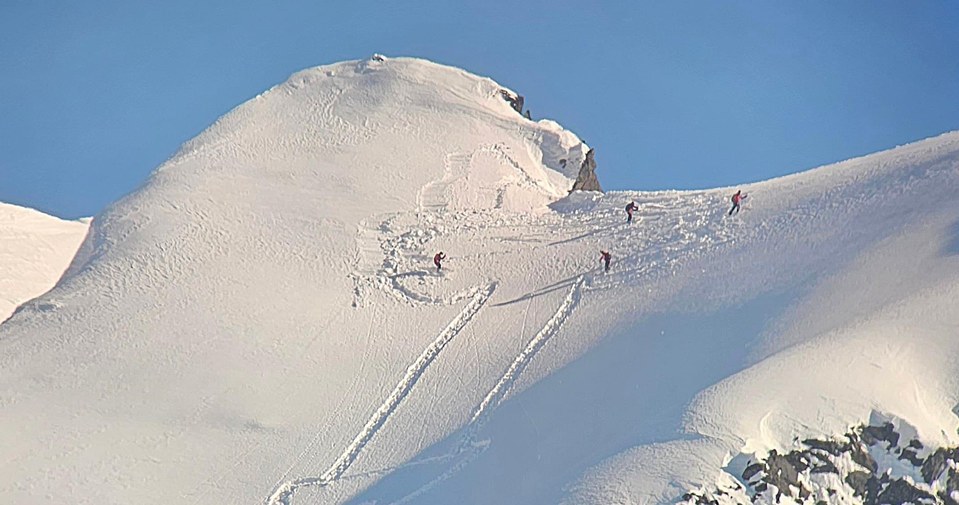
{"x":284,"y":492}
{"x":468,"y":447}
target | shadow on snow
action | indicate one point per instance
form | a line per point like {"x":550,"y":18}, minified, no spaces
{"x":631,"y":389}
{"x":952,"y":240}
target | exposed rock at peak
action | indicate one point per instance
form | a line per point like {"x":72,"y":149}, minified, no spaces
{"x":587,"y":180}
{"x":515,"y":101}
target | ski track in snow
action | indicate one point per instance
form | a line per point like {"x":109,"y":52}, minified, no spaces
{"x":247,"y":203}
{"x":503,"y":386}
{"x":652,"y":249}
{"x":688,"y":236}
{"x":468,"y":448}
{"x":673,"y":244}
{"x":285,"y":491}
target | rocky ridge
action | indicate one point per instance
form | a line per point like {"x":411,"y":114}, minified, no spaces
{"x":869,"y":465}
{"x":587,"y":180}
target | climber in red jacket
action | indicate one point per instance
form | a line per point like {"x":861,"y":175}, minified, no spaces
{"x":737,"y":199}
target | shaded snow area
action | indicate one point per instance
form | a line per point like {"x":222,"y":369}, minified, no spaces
{"x":35,"y":249}
{"x":262,"y":323}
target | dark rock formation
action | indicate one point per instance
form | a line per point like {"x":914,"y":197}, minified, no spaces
{"x":864,"y":485}
{"x":872,"y":435}
{"x":937,"y":462}
{"x":829,"y":446}
{"x":752,"y":470}
{"x":899,"y":492}
{"x":861,"y":456}
{"x":909,"y":454}
{"x":857,"y":481}
{"x":782,"y":472}
{"x":797,"y":477}
{"x":947,"y":499}
{"x":952,"y":485}
{"x":515,"y":101}
{"x":798,"y":460}
{"x":824,"y":466}
{"x":586,"y":180}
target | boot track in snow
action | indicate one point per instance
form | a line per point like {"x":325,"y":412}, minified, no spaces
{"x":285,"y":491}
{"x":468,"y":448}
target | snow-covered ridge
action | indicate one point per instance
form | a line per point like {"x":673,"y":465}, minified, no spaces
{"x":369,"y":108}
{"x":35,"y":249}
{"x":261,"y":322}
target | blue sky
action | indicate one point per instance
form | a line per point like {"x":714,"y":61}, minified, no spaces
{"x":677,"y":94}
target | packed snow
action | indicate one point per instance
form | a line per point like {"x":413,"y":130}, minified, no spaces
{"x":35,"y":249}
{"x":262,"y":323}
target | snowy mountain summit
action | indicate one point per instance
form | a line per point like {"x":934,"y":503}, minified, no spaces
{"x":262,"y":321}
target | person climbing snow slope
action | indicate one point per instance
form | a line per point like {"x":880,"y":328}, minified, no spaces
{"x":605,"y":257}
{"x":630,"y":208}
{"x":737,"y":200}
{"x":438,"y":259}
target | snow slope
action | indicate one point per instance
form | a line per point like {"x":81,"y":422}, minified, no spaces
{"x":261,"y":321}
{"x":35,"y":249}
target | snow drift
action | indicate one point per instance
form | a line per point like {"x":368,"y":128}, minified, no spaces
{"x":261,"y":321}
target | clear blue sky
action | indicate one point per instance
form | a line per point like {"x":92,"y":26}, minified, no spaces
{"x":672,"y":94}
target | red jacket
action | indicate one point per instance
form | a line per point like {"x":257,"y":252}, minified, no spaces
{"x":438,"y":258}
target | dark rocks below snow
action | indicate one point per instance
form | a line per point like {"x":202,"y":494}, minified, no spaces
{"x":866,"y":466}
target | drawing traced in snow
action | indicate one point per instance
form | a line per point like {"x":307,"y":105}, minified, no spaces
{"x":392,"y":402}
{"x":262,"y":322}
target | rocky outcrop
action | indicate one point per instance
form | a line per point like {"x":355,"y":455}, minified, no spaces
{"x":587,"y":180}
{"x":872,"y":435}
{"x":899,"y":492}
{"x":871,"y":465}
{"x":937,"y":463}
{"x":515,"y":101}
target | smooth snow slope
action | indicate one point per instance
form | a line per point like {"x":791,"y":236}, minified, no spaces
{"x":35,"y":249}
{"x":261,"y":322}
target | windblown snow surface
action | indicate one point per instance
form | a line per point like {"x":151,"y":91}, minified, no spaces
{"x":35,"y":249}
{"x":261,"y":322}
